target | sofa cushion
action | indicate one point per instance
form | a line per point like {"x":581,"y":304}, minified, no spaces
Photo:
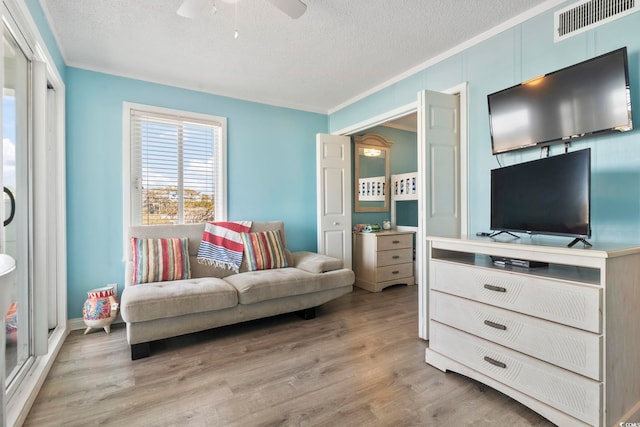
{"x":156,"y":260}
{"x":263,"y":285}
{"x":264,"y":250}
{"x":159,"y":300}
{"x":316,"y":263}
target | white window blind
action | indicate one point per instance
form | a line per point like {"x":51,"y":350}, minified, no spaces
{"x":173,"y":168}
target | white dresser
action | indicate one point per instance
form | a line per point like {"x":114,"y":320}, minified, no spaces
{"x":383,"y":259}
{"x":562,"y":339}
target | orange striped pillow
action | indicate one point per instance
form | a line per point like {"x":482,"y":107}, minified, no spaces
{"x":160,"y":260}
{"x":264,"y":250}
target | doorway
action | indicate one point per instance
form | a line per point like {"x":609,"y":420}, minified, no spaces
{"x":423,"y":111}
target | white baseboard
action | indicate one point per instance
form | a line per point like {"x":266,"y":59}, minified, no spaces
{"x":78,"y":324}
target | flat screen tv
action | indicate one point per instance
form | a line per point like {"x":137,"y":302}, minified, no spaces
{"x":588,"y":98}
{"x":551,"y":195}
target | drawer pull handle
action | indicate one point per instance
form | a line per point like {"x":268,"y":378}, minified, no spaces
{"x":495,"y":362}
{"x":395,"y":242}
{"x":395,"y":272}
{"x":396,"y":257}
{"x":495,"y":325}
{"x":495,"y":288}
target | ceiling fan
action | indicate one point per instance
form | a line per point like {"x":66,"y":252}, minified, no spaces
{"x":195,"y":8}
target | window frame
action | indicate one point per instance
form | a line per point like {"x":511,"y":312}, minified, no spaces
{"x":220,"y":197}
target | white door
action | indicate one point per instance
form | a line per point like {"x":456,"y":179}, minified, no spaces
{"x":333,"y":172}
{"x":439,"y":174}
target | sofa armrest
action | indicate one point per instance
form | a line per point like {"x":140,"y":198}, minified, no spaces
{"x":315,"y":263}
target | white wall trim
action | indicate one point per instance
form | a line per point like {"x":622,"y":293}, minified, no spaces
{"x":167,"y":82}
{"x":47,"y":14}
{"x":77,"y":324}
{"x":22,"y":395}
{"x":543,"y":7}
{"x":199,"y":89}
{"x":379,"y":119}
{"x":516,"y":20}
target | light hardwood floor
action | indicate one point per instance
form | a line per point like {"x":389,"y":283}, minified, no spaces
{"x":358,"y":363}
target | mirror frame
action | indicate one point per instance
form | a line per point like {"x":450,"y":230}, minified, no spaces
{"x":371,"y":140}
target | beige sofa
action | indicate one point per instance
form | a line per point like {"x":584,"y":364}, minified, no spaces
{"x":215,"y":297}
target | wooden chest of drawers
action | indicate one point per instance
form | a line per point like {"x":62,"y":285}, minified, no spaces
{"x":383,"y":259}
{"x":561,"y":339}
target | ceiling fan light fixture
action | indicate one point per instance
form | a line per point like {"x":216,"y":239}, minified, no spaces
{"x":372,"y":152}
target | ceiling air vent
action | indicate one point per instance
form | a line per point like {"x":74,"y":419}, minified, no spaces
{"x":587,"y":14}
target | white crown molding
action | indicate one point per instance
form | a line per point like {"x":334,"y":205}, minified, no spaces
{"x":543,"y":7}
{"x":80,"y":65}
{"x":134,"y":76}
{"x":47,"y":15}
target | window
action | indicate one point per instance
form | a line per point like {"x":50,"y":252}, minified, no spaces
{"x":176,"y":165}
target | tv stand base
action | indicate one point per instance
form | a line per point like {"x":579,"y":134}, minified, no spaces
{"x":506,"y":232}
{"x":578,"y":240}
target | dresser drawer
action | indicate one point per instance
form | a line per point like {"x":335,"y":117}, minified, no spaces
{"x":571,"y":393}
{"x":395,"y":241}
{"x":396,"y":256}
{"x":561,"y":345}
{"x":550,"y":299}
{"x":394,"y":272}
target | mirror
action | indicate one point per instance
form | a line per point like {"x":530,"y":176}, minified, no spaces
{"x":371,"y":173}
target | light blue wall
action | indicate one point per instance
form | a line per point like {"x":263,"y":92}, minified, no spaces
{"x":511,"y":57}
{"x":271,"y":169}
{"x":272,"y":150}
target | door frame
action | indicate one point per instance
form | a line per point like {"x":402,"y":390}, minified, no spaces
{"x":462,"y":91}
{"x":23,"y":390}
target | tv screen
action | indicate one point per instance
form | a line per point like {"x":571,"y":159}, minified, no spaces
{"x":584,"y":99}
{"x":544,"y":196}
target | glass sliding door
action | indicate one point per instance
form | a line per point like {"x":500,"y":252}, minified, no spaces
{"x":33,"y":212}
{"x":16,"y":225}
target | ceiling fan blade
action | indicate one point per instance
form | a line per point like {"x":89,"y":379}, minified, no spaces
{"x":293,"y":8}
{"x":193,"y":8}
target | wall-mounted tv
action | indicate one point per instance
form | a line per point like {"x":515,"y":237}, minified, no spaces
{"x":588,"y":98}
{"x":551,"y":195}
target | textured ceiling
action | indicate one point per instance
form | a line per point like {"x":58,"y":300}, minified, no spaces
{"x":335,"y":52}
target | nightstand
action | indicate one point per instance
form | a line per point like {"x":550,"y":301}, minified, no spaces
{"x":383,"y":259}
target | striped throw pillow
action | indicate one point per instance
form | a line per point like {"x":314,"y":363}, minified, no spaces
{"x":264,"y":250}
{"x":160,"y":260}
